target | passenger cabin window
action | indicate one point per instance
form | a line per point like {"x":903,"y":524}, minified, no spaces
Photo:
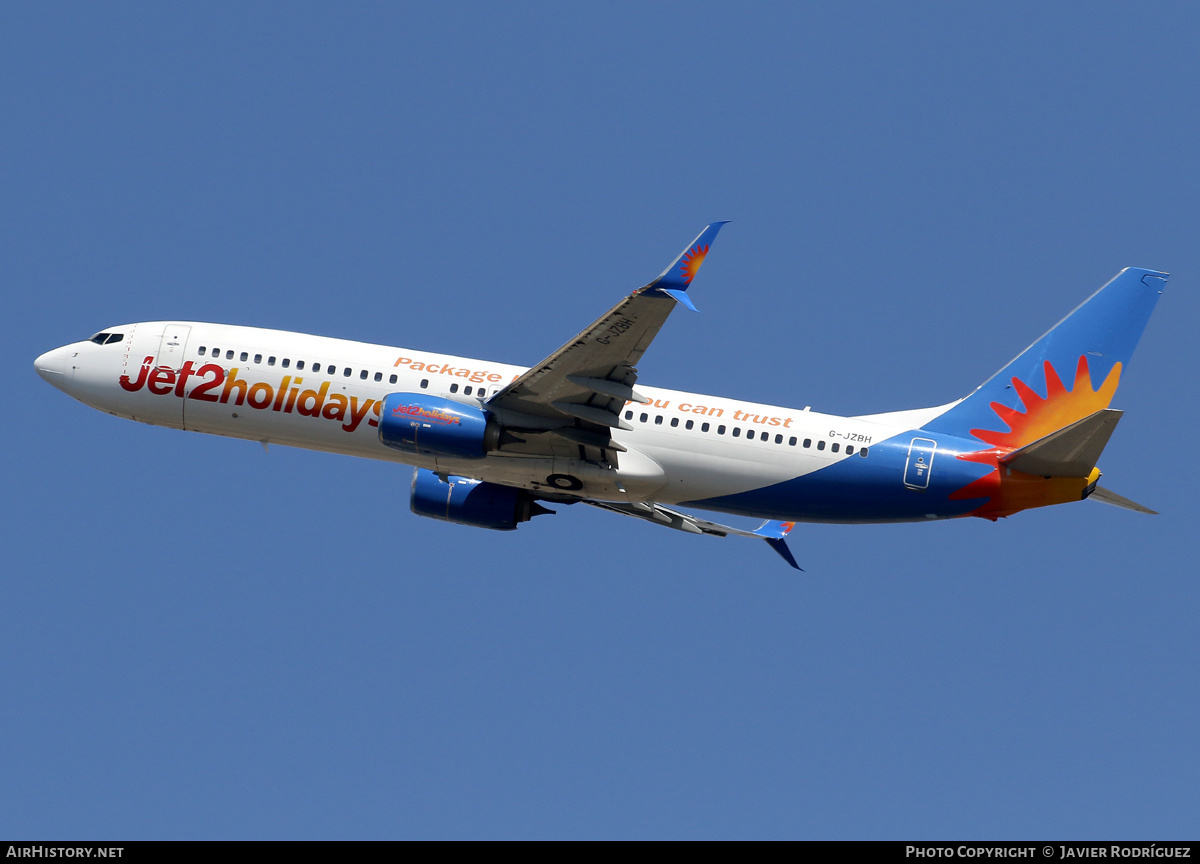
{"x":657,"y":419}
{"x":286,"y":363}
{"x":467,"y":390}
{"x":363,"y":374}
{"x":270,"y":361}
{"x":862,"y":452}
{"x":392,"y":379}
{"x":835,"y":447}
{"x":807,"y":442}
{"x":347,"y":372}
{"x":689,"y":424}
{"x":201,"y":351}
{"x":628,"y":415}
{"x":737,"y":431}
{"x":229,"y":355}
{"x":453,"y":388}
{"x":792,"y":442}
{"x":750,"y":434}
{"x":674,"y":422}
{"x":257,"y":358}
{"x":820,"y":445}
{"x":424,"y":383}
{"x":720,"y":430}
{"x":378,"y":376}
{"x":779,"y":439}
{"x":300,"y":365}
{"x":704,"y":427}
{"x":643,"y":418}
{"x":245,"y":356}
{"x":849,"y":449}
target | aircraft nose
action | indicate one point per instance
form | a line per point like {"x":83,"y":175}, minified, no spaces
{"x":51,"y":365}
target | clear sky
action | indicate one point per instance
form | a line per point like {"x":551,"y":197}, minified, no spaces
{"x":201,"y":639}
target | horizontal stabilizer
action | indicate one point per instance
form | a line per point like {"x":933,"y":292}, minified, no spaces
{"x":1072,"y":451}
{"x":1102,"y":494}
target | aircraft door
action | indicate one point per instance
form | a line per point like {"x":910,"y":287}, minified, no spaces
{"x":919,"y":464}
{"x":172,"y":345}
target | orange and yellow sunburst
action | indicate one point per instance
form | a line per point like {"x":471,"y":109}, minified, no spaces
{"x":1011,"y":491}
{"x":689,"y":265}
{"x":1060,"y":407}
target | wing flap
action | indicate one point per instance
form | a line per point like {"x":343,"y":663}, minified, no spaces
{"x":586,"y":383}
{"x":771,"y":531}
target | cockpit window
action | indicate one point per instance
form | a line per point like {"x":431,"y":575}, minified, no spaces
{"x":107,"y":338}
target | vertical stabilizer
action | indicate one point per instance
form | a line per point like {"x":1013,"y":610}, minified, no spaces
{"x":1069,"y":374}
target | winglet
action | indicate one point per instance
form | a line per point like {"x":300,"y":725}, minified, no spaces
{"x":674,"y":281}
{"x":774,"y":533}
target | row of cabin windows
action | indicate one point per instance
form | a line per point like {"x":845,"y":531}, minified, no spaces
{"x":329,"y":368}
{"x":750,"y":434}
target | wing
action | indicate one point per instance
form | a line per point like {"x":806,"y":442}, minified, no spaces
{"x":568,"y":404}
{"x":773,"y":532}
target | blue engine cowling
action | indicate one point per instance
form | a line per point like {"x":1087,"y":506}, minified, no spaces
{"x":426,"y":425}
{"x":471,"y":502}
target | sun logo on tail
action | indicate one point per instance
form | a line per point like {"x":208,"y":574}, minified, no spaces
{"x":1008,"y":492}
{"x":690,"y":263}
{"x":1060,"y":407}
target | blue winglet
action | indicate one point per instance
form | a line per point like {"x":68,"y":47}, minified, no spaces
{"x":774,"y":533}
{"x":674,"y":281}
{"x":780,"y":546}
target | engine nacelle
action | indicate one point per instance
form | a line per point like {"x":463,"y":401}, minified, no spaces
{"x":471,"y":502}
{"x":426,"y":425}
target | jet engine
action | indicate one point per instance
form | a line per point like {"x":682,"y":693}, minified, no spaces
{"x":471,"y":502}
{"x":424,"y":425}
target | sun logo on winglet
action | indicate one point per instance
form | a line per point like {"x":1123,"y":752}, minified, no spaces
{"x":690,"y":263}
{"x":1060,"y":407}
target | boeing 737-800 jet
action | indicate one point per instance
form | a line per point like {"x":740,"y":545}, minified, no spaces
{"x":489,"y":441}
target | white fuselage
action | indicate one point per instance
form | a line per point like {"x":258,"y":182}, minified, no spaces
{"x":325,"y":394}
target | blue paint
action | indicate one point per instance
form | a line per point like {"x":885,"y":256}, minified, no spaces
{"x":869,"y":489}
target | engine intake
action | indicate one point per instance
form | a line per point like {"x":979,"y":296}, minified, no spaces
{"x":471,"y":502}
{"x":424,"y":425}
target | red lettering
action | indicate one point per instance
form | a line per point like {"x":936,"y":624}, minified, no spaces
{"x":233,"y":383}
{"x":263,"y":389}
{"x":135,"y":386}
{"x":201,"y":392}
{"x":181,"y":384}
{"x":282,"y":393}
{"x":311,"y":401}
{"x":292,"y":395}
{"x":357,"y":412}
{"x":161,"y":375}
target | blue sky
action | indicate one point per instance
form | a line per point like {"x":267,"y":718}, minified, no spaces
{"x":203,"y":640}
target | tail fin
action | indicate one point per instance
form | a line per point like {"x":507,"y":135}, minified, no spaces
{"x":1027,"y":399}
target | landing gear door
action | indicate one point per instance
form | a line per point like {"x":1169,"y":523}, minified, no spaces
{"x":172,"y":346}
{"x":920,"y":463}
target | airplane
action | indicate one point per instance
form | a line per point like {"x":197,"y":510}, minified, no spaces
{"x":491,"y":443}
